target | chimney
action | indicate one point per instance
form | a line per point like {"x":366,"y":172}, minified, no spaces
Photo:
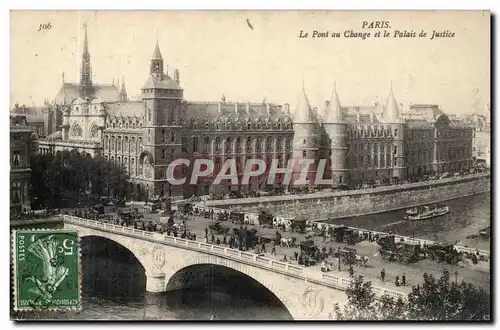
{"x":176,"y":76}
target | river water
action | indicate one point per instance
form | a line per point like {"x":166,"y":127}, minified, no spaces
{"x":114,"y":286}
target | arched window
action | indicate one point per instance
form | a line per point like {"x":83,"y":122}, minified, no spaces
{"x":238,"y":144}
{"x":217,"y":144}
{"x":195,"y":144}
{"x":206,"y":144}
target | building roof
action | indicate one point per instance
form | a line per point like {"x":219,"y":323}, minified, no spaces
{"x":460,"y":124}
{"x":157,"y":53}
{"x":69,"y":91}
{"x":125,"y":109}
{"x":35,"y":118}
{"x":234,"y":110}
{"x":391,"y":109}
{"x":161,"y":82}
{"x":418,"y":124}
{"x":303,"y":113}
{"x":429,"y":112}
{"x":55,"y":136}
{"x":333,"y":112}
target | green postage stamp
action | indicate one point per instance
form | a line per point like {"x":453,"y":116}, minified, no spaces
{"x":47,"y":270}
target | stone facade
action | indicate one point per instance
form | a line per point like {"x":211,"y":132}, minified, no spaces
{"x":303,"y":299}
{"x":23,"y":143}
{"x":358,"y":144}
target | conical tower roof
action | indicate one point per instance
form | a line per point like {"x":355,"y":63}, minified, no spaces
{"x":333,"y":112}
{"x":157,"y":52}
{"x":391,"y":108}
{"x":303,"y":113}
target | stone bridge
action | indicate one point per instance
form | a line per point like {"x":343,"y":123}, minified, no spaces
{"x":306,"y":293}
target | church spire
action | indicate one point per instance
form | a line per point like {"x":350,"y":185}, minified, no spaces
{"x":123,"y":91}
{"x":86,"y":70}
{"x":156,"y":60}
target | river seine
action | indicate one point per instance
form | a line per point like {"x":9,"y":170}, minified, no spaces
{"x":114,"y":287}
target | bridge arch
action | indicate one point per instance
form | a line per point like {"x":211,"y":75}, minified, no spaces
{"x":104,"y":262}
{"x":270,"y":282}
{"x":139,"y":249}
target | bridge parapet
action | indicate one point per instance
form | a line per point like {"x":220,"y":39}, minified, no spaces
{"x":308,"y":274}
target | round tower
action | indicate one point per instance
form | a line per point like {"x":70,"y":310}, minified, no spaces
{"x":305,"y":142}
{"x":392,"y":118}
{"x":336,"y":130}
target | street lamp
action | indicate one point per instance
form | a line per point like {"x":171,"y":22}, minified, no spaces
{"x":338,"y":252}
{"x":456,"y":277}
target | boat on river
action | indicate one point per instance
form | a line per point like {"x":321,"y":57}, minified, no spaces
{"x":486,"y":232}
{"x":426,"y":212}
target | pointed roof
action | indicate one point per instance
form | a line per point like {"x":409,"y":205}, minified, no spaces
{"x":85,"y":41}
{"x":157,"y":52}
{"x":161,"y":82}
{"x":303,"y":113}
{"x":391,"y":109}
{"x":123,"y":84}
{"x":333,"y":112}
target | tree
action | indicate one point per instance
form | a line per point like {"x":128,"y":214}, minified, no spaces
{"x":444,"y":299}
{"x":57,"y":179}
{"x":434,"y":300}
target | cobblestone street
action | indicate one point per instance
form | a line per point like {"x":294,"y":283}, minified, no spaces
{"x":479,"y":274}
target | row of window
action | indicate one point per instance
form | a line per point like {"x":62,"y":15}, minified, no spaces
{"x":236,"y":145}
{"x":250,"y":126}
{"x":126,"y":125}
{"x":374,"y":131}
{"x":125,"y":144}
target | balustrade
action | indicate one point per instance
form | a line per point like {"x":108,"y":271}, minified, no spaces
{"x":343,"y":283}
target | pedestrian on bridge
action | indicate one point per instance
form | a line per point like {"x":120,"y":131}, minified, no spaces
{"x":273,"y":250}
{"x":263,"y":248}
{"x":382,"y":275}
{"x":403,"y":280}
{"x":213,"y":238}
{"x":351,"y":271}
{"x":396,"y":281}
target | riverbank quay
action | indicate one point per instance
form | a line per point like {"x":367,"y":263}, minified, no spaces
{"x":474,"y":273}
{"x":344,"y":204}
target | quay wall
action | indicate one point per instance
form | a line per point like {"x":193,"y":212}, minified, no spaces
{"x":335,"y":205}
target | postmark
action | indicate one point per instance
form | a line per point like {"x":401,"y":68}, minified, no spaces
{"x":46,"y":270}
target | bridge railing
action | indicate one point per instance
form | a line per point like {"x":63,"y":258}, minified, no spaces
{"x":247,"y":257}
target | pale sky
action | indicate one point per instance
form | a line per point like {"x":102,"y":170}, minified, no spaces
{"x":218,"y":53}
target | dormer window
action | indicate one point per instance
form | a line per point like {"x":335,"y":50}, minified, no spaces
{"x":195,"y":125}
{"x":218,"y":126}
{"x":249,"y":126}
{"x":206,"y":126}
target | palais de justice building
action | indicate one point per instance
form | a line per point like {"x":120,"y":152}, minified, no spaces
{"x":360,"y":143}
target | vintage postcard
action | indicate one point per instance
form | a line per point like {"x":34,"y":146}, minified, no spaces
{"x":46,"y":272}
{"x":250,"y":165}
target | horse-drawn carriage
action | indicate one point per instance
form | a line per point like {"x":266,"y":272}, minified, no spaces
{"x":309,"y":253}
{"x":404,"y":252}
{"x":218,"y":229}
{"x":443,"y":253}
{"x":152,"y":207}
{"x":346,"y":235}
{"x":130,"y":215}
